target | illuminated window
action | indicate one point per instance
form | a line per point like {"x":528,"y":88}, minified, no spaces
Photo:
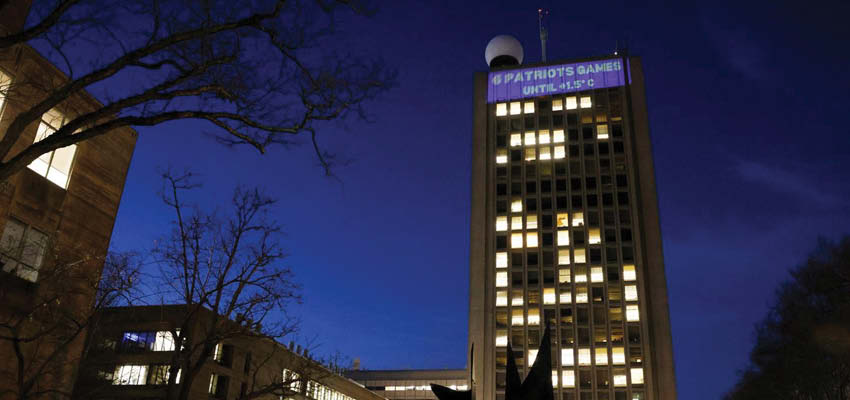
{"x":130,"y":375}
{"x":501,"y":223}
{"x":22,"y":249}
{"x":560,"y":153}
{"x":563,"y":220}
{"x":516,"y":317}
{"x":601,"y":356}
{"x":632,"y":313}
{"x":602,"y":131}
{"x":516,"y":299}
{"x":534,"y":316}
{"x":567,"y":357}
{"x":581,"y":294}
{"x":563,"y":238}
{"x":578,"y":219}
{"x":531,"y":239}
{"x":566,"y":297}
{"x":501,"y":109}
{"x":545,"y":153}
{"x":501,"y":259}
{"x":516,"y":240}
{"x":502,"y":298}
{"x":629,"y":273}
{"x":568,"y":378}
{"x":557,"y":104}
{"x":631,"y":293}
{"x":516,"y":205}
{"x":543,"y":137}
{"x":516,"y":139}
{"x":516,"y":223}
{"x":529,"y":139}
{"x":515,"y":108}
{"x":164,"y":341}
{"x":159,"y":375}
{"x":637,"y":376}
{"x":593,"y":236}
{"x":571,"y":103}
{"x":531,"y":222}
{"x":564,"y":276}
{"x":585,"y":102}
{"x":618,"y":356}
{"x":501,"y":338}
{"x":530,"y":154}
{"x":558,"y":136}
{"x":555,"y":379}
{"x":55,"y":165}
{"x":501,"y":156}
{"x":501,"y":279}
{"x":549,"y":296}
{"x":579,"y":255}
{"x":532,"y":355}
{"x":583,"y":356}
{"x":5,"y":86}
{"x":619,"y":378}
{"x":563,"y":257}
{"x":581,"y":274}
{"x":596,"y":274}
{"x":529,"y":107}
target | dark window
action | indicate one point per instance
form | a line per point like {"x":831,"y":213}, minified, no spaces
{"x":516,"y":259}
{"x":501,"y":189}
{"x":516,"y":155}
{"x":576,"y":200}
{"x":531,"y":187}
{"x":501,"y":141}
{"x":533,"y":278}
{"x":595,"y":256}
{"x":529,"y":122}
{"x":603,"y":149}
{"x":617,"y":130}
{"x":578,"y":238}
{"x":560,"y":168}
{"x":561,"y":185}
{"x":547,"y":258}
{"x":622,"y":198}
{"x":517,"y":279}
{"x":590,"y":183}
{"x":558,"y":120}
{"x":546,"y":221}
{"x":626,"y":234}
{"x":501,"y":242}
{"x":531,"y":204}
{"x":574,"y":151}
{"x":592,"y":200}
{"x":625,"y":217}
{"x":572,"y":119}
{"x":607,"y":199}
{"x":587,"y":132}
{"x":501,"y":126}
{"x":613,"y":274}
{"x":561,"y":202}
{"x":544,"y":106}
{"x":516,"y":188}
{"x":572,"y":134}
{"x":575,"y":184}
{"x":543,"y":121}
{"x":610,"y":235}
{"x":618,"y":147}
{"x":588,"y":149}
{"x":532,"y":258}
{"x":593,"y":218}
{"x":575,"y":168}
{"x":530,"y":171}
{"x":546,"y":186}
{"x":501,"y":206}
{"x":547,"y":239}
{"x":611,"y":254}
{"x":516,"y":124}
{"x":516,"y":172}
{"x":628,"y":254}
{"x":501,"y":172}
{"x":585,"y":381}
{"x":546,"y":204}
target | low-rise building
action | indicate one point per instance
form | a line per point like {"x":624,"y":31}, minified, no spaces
{"x":133,"y":350}
{"x":411,"y":384}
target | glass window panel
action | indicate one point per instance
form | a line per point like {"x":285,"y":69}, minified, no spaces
{"x":529,"y":107}
{"x":578,"y":219}
{"x":629,"y":273}
{"x":517,"y":317}
{"x":568,"y":378}
{"x":534,"y":316}
{"x":579,"y":255}
{"x":501,"y":224}
{"x":567,"y":357}
{"x":545,"y":153}
{"x":516,"y":240}
{"x":632,"y":313}
{"x":543,"y":137}
{"x":618,"y":356}
{"x":564,"y":275}
{"x":593,"y":236}
{"x":585,"y":102}
{"x":631,"y":293}
{"x":501,"y":279}
{"x":602,"y":131}
{"x":515,"y":108}
{"x":557,"y":104}
{"x":571,"y":103}
{"x":549,"y":296}
{"x":502,"y":298}
{"x":596,"y":274}
{"x":530,"y":154}
{"x":516,"y":205}
{"x":501,"y":156}
{"x":501,"y":109}
{"x":531,"y":222}
{"x":560,"y":153}
{"x":564,"y":257}
{"x":516,"y":223}
{"x":516,"y":139}
{"x":637,"y":376}
{"x":530,"y":139}
{"x":501,"y":259}
{"x":531,"y":239}
{"x":563,"y":238}
{"x":601,"y":356}
{"x":558,"y":136}
{"x":583,"y":356}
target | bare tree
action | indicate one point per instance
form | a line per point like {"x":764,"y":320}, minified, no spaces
{"x":41,"y":323}
{"x":259,"y":72}
{"x":228,"y":271}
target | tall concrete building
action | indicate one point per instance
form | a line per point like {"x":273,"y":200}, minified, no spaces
{"x":565,"y":228}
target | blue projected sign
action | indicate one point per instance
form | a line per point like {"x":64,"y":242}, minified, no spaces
{"x":553,"y":79}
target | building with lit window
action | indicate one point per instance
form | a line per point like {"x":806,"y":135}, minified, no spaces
{"x":132,"y":351}
{"x":411,"y":384}
{"x":56,"y":220}
{"x":565,"y":228}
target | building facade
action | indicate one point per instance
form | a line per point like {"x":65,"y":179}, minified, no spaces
{"x":413,"y":384}
{"x":133,"y":349}
{"x":565,"y":231}
{"x":56,"y":221}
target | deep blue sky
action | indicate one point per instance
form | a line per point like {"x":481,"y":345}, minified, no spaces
{"x":749,"y":117}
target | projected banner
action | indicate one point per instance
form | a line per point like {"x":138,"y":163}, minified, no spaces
{"x":552,"y":79}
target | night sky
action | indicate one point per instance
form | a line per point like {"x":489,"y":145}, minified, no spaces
{"x":749,"y":118}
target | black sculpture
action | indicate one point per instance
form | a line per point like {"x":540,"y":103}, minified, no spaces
{"x":537,"y":385}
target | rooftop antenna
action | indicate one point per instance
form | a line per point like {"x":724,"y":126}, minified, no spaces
{"x":544,"y":34}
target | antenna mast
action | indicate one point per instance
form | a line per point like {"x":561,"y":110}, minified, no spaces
{"x":544,"y":34}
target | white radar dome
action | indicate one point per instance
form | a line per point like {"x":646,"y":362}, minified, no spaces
{"x":503,"y":50}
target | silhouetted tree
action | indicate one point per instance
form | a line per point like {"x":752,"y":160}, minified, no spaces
{"x":258,"y":72}
{"x":802,"y":349}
